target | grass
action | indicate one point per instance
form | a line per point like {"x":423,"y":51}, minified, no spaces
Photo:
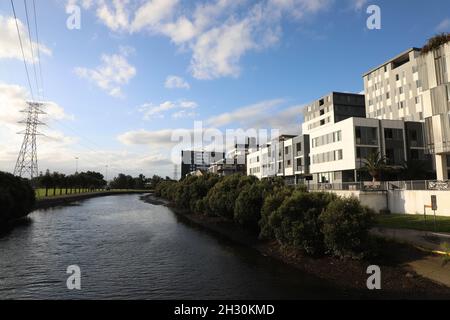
{"x":414,"y":222}
{"x":40,"y":193}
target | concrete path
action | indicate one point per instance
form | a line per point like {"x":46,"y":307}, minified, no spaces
{"x":430,"y":241}
{"x":433,"y":266}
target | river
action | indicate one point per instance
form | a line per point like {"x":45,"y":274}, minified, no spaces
{"x":128,"y":249}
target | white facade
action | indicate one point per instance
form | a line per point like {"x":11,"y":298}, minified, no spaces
{"x":393,"y":89}
{"x":338,"y":151}
{"x":434,"y":70}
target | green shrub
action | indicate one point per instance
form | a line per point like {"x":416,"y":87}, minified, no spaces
{"x":345,"y":225}
{"x":222,"y":197}
{"x":17,"y":197}
{"x":247,"y":210}
{"x":296,"y":223}
{"x":271,"y":203}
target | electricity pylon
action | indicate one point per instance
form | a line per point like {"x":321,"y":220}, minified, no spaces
{"x":27,"y":162}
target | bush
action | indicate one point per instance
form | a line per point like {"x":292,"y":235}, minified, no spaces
{"x":296,"y":223}
{"x":17,"y":197}
{"x":247,"y":210}
{"x":268,"y":218}
{"x":222,"y":197}
{"x":435,"y":42}
{"x":345,"y":225}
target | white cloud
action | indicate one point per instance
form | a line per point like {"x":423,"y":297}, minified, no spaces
{"x":12,"y":100}
{"x":10,"y":45}
{"x":359,"y":4}
{"x":242,"y":116}
{"x":150,"y":14}
{"x":152,"y":111}
{"x":444,"y":25}
{"x":111,"y":75}
{"x":175,"y":82}
{"x":218,"y":33}
{"x":158,"y":139}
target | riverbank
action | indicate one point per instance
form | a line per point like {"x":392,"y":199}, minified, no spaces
{"x":66,"y":199}
{"x":399,"y":280}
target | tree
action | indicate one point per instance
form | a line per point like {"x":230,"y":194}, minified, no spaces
{"x":375,"y":165}
{"x":345,"y":226}
{"x":414,"y":170}
{"x":17,"y":198}
{"x":436,"y":42}
{"x":247,"y":209}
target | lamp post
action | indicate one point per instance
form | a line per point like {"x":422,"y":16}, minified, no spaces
{"x":76,"y":164}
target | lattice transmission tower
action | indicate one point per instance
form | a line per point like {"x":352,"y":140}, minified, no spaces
{"x":27,"y":161}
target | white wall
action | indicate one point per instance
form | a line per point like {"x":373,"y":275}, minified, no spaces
{"x":375,"y":200}
{"x":413,"y":202}
{"x":402,"y":201}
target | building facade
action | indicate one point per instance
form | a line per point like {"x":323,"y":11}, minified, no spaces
{"x":434,"y":69}
{"x":392,"y":90}
{"x":331,"y":109}
{"x":192,"y":161}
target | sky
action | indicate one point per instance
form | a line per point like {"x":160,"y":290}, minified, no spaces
{"x":119,"y":82}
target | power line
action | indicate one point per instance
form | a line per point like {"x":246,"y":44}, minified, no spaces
{"x":38,"y":49}
{"x":21,"y":47}
{"x":31,"y":46}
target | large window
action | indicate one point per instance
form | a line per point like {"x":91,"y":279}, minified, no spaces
{"x":366,"y":136}
{"x":327,"y":139}
{"x":328,"y":157}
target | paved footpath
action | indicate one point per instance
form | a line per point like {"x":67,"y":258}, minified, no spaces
{"x":431,"y":266}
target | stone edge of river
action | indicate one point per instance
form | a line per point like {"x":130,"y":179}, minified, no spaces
{"x":349,"y":275}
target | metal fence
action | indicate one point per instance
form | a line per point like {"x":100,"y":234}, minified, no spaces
{"x":383,"y":186}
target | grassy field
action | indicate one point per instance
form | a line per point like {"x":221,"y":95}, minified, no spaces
{"x":414,"y":222}
{"x":40,"y":193}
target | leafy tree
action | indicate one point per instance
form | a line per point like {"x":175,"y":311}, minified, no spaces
{"x":222,"y":197}
{"x":375,"y":165}
{"x":247,"y":209}
{"x":436,"y":42}
{"x":269,"y":220}
{"x":296,"y":222}
{"x":17,"y":198}
{"x":345,"y":226}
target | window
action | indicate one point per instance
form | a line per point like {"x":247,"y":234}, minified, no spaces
{"x":299,"y":147}
{"x":414,"y":154}
{"x":400,"y":90}
{"x":321,"y":102}
{"x":397,"y":77}
{"x":385,"y":68}
{"x":388,"y":95}
{"x":286,"y":150}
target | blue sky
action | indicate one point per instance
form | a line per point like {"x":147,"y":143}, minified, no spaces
{"x":234,"y":64}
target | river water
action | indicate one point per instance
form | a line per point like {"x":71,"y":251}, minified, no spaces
{"x":128,"y":249}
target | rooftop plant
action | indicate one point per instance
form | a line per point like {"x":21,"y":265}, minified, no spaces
{"x":435,"y":42}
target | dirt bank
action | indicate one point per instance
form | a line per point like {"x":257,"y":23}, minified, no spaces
{"x":399,"y":281}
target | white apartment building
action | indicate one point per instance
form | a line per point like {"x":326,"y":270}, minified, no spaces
{"x":434,"y":69}
{"x":332,"y":108}
{"x":392,"y":90}
{"x":338,"y":151}
{"x":416,"y":87}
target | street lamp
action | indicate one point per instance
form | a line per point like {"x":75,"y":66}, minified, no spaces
{"x":76,"y":164}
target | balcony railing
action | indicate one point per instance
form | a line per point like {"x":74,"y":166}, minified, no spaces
{"x":418,"y":185}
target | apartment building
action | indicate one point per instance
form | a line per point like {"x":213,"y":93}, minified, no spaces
{"x":433,"y":73}
{"x":393,"y":89}
{"x":331,"y":109}
{"x":338,"y":152}
{"x":286,"y":156}
{"x":191,"y":161}
{"x":235,"y":159}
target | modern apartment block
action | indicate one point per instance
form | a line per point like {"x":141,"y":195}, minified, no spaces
{"x":338,"y":152}
{"x":191,"y":161}
{"x":331,"y":109}
{"x":434,"y":76}
{"x":235,"y":159}
{"x":393,"y":89}
{"x":287,"y":156}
